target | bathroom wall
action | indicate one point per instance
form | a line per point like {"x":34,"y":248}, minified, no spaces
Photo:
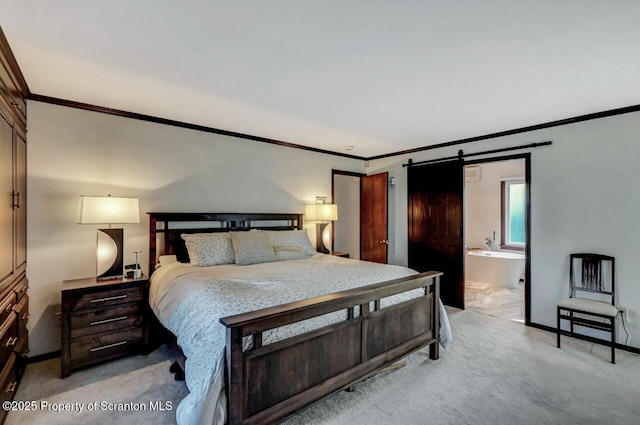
{"x":482,"y":208}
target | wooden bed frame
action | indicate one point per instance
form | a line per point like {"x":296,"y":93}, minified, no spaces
{"x":270,"y":382}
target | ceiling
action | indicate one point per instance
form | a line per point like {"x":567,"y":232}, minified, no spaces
{"x":381,"y":76}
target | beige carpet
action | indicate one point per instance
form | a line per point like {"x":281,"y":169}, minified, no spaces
{"x":135,"y":379}
{"x":497,"y":372}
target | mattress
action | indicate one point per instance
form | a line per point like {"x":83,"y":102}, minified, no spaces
{"x":189,"y":301}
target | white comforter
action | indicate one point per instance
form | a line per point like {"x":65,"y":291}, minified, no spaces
{"x":189,"y":301}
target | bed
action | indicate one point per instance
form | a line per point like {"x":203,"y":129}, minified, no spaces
{"x":257,"y":351}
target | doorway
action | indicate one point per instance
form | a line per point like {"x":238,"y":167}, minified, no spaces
{"x":495,"y":226}
{"x":361,"y":231}
{"x":345,"y":192}
{"x":436,"y":228}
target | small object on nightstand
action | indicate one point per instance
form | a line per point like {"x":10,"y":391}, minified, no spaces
{"x":341,"y":254}
{"x":102,"y":320}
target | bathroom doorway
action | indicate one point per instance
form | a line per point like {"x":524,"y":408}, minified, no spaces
{"x":496,"y":237}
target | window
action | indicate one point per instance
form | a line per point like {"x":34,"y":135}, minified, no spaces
{"x":513,"y":214}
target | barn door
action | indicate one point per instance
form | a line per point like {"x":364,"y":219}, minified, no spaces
{"x":435,"y":220}
{"x":374,"y":241}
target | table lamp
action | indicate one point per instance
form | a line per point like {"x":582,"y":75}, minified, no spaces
{"x":322,"y":213}
{"x":108,"y":210}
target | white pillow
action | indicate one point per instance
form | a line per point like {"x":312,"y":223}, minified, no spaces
{"x":289,"y":253}
{"x":291,"y":238}
{"x":252,"y":248}
{"x":209,"y":249}
{"x":164,"y":260}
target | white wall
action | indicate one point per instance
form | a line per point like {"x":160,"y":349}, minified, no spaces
{"x":73,"y":152}
{"x":585,"y":197}
{"x":482,"y":201}
{"x":346,"y":194}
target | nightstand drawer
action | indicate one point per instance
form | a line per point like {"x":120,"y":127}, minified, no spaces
{"x":92,"y":349}
{"x":105,"y":298}
{"x":106,"y":320}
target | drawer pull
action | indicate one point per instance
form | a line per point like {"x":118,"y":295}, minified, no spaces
{"x":16,"y":200}
{"x":26,"y":316}
{"x":25,"y":354}
{"x":11,"y":387}
{"x":118,"y":297}
{"x":115,"y":319}
{"x":104,"y":347}
{"x":11,"y":341}
{"x":25,"y":289}
{"x":9,"y":308}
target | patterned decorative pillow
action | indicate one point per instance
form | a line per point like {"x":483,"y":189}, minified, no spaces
{"x":291,"y":238}
{"x":252,"y":248}
{"x":209,"y":249}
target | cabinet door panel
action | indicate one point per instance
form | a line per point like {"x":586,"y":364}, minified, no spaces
{"x":6,"y":199}
{"x":21,"y":210}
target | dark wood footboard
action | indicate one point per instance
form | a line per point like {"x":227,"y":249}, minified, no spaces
{"x":272,"y":381}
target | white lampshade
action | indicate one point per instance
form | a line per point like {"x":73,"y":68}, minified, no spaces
{"x":108,"y":210}
{"x":322,"y":212}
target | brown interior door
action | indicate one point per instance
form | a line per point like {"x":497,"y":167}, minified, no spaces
{"x":374,"y":241}
{"x":436,"y":225}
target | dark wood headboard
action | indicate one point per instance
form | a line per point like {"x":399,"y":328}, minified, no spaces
{"x":171,"y":225}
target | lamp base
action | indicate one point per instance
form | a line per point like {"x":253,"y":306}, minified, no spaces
{"x":109,"y":264}
{"x":320,"y":247}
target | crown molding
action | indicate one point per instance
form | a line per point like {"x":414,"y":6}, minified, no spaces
{"x":12,"y":64}
{"x":556,"y":123}
{"x":181,"y":124}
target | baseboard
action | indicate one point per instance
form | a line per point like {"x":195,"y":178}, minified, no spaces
{"x":54,"y":354}
{"x":43,"y":357}
{"x":585,"y":338}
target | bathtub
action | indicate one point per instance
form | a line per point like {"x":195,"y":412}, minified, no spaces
{"x":497,"y":268}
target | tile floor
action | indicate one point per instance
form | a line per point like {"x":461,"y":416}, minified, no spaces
{"x":507,"y":303}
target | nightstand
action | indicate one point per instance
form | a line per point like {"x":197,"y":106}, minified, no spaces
{"x":102,"y":320}
{"x":341,"y":254}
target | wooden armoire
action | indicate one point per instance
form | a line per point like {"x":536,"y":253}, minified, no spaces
{"x":14,"y":301}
